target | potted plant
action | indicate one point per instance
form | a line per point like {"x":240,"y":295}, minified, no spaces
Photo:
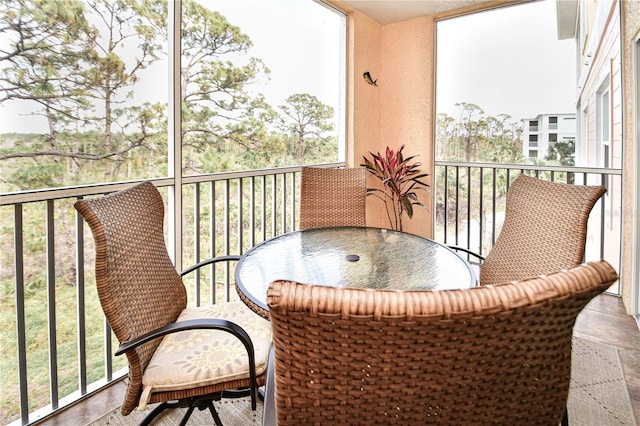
{"x":400,"y":180}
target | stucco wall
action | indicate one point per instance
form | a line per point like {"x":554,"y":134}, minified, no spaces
{"x":363,"y":54}
{"x":407,"y":102}
{"x":399,"y":109}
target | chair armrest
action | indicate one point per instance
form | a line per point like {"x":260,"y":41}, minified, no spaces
{"x":203,"y":324}
{"x":470,"y":252}
{"x":195,"y":324}
{"x":229,"y":258}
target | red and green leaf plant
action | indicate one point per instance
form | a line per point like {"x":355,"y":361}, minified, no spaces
{"x":401,"y":181}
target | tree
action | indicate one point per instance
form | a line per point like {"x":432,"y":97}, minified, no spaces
{"x":476,"y":137}
{"x":563,"y":152}
{"x":218,"y":112}
{"x":306,"y":122}
{"x":43,"y":62}
{"x":95,"y":52}
{"x":76,"y":72}
{"x":445,"y":135}
{"x":502,"y":142}
{"x":112,"y":79}
{"x":469,"y":133}
{"x":479,"y":138}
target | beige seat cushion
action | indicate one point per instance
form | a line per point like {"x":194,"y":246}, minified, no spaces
{"x":206,"y":357}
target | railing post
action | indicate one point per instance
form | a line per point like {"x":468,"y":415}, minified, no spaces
{"x":263,"y":203}
{"x":20,"y":313}
{"x":212,"y":241}
{"x":602,"y":217}
{"x":80,"y":307}
{"x":457,"y":204}
{"x":493,"y":207}
{"x":240,"y":228}
{"x":252,"y":211}
{"x":445,"y":201}
{"x":51,"y":306}
{"x":481,"y":212}
{"x":469,"y":191}
{"x":196,"y":242}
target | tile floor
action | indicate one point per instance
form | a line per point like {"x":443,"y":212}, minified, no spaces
{"x":605,"y":321}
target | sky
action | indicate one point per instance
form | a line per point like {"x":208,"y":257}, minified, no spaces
{"x":507,"y":61}
{"x":296,"y":39}
{"x":301,"y":42}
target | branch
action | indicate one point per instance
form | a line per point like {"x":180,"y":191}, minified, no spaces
{"x":75,"y":155}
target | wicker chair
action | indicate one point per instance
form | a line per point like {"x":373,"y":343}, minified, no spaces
{"x":490,"y":355}
{"x":332,"y":197}
{"x":544,"y":230}
{"x":168,"y":345}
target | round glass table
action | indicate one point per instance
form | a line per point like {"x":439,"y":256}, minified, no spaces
{"x":356,"y":257}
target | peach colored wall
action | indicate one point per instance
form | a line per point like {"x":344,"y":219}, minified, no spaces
{"x":399,"y":109}
{"x":364,"y":100}
{"x":406,"y":84}
{"x":365,"y":40}
{"x":364,"y":107}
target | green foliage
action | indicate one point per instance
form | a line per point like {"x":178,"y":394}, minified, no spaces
{"x":476,"y":137}
{"x":400,"y":180}
{"x":37,"y":176}
{"x":305,"y":122}
{"x":563,"y":152}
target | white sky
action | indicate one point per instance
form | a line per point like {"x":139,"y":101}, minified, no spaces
{"x":508,"y":60}
{"x":297,"y":40}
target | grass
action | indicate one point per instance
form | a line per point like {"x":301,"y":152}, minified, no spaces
{"x":37,"y":341}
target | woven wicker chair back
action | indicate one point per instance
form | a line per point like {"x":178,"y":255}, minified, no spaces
{"x":138,"y":286}
{"x":488,"y":355}
{"x":545,"y":230}
{"x":332,"y":197}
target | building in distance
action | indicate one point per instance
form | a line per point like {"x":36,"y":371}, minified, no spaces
{"x":545,"y":131}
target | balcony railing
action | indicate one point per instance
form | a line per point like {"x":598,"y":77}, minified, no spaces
{"x":470,"y":212}
{"x":61,"y":347}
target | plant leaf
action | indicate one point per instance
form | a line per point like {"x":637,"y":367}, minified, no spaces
{"x":400,"y":179}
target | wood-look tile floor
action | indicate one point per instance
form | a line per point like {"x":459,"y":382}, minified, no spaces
{"x":603,"y":321}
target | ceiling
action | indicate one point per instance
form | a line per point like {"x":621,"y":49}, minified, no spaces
{"x":390,"y":11}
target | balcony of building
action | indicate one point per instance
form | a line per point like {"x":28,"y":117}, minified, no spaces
{"x":65,"y":369}
{"x":66,"y":365}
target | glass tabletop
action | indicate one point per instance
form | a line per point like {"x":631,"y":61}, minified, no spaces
{"x":351,"y":257}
